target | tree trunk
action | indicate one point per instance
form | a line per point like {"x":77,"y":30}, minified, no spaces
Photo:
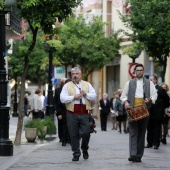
{"x":21,"y":107}
{"x":66,"y":71}
{"x":24,"y":74}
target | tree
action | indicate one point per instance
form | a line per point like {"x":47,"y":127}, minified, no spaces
{"x":85,"y":44}
{"x":39,"y":14}
{"x":37,"y":57}
{"x":150,"y":22}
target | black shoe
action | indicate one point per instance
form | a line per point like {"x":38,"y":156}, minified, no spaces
{"x":85,"y":155}
{"x":132,"y":158}
{"x":164,"y":141}
{"x":64,"y":144}
{"x":156,"y":147}
{"x":148,"y":146}
{"x":138,"y":159}
{"x":75,"y":158}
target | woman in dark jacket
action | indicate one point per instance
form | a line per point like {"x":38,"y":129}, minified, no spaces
{"x":122,"y":116}
{"x":104,"y":107}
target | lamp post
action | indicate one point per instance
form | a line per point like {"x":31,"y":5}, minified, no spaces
{"x":6,"y":146}
{"x":49,"y":106}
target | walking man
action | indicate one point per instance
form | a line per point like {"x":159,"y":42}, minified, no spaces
{"x":137,"y":92}
{"x":157,"y":112}
{"x":77,"y":95}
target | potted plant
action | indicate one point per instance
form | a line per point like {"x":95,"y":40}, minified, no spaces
{"x":41,"y":128}
{"x":33,"y":128}
{"x":30,"y":130}
{"x":51,"y":127}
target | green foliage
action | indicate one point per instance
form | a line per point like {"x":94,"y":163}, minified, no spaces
{"x":38,"y":62}
{"x":49,"y":122}
{"x":38,"y":124}
{"x":2,"y":4}
{"x":133,"y":50}
{"x":85,"y":44}
{"x":30,"y":123}
{"x":43,"y":13}
{"x":150,"y":22}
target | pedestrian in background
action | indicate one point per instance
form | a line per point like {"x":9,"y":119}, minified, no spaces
{"x":104,"y":104}
{"x":77,"y":96}
{"x":37,"y":105}
{"x":113,"y":114}
{"x":156,"y":116}
{"x":59,"y":108}
{"x":42,"y":100}
{"x":61,"y":115}
{"x":166,"y":116}
{"x":136,"y":93}
{"x":121,"y":111}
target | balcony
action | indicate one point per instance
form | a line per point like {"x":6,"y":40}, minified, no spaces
{"x":13,"y":24}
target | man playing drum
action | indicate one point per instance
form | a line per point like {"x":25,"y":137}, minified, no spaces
{"x":138,"y":92}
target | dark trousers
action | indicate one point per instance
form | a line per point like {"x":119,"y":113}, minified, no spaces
{"x":153,"y":132}
{"x":65,"y":135}
{"x":103,"y":120}
{"x":60,"y":129}
{"x":38,"y":115}
{"x":78,"y":127}
{"x":137,"y":132}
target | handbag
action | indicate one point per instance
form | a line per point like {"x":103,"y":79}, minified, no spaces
{"x":137,"y":113}
{"x":92,"y":124}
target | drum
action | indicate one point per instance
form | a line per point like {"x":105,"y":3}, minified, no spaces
{"x":137,"y":113}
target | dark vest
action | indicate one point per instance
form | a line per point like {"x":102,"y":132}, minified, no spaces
{"x":132,"y":90}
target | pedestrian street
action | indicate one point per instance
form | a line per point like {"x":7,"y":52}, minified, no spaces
{"x":108,"y":151}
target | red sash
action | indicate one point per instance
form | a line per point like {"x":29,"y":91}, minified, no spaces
{"x":79,"y":109}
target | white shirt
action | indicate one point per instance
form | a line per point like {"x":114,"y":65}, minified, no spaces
{"x":139,"y":91}
{"x":42,"y":100}
{"x":37,"y":103}
{"x":65,"y":98}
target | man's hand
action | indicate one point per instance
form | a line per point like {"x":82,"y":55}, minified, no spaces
{"x":77,"y":96}
{"x":60,"y":117}
{"x":168,"y":114}
{"x":127,"y":105}
{"x":83,"y":92}
{"x":148,"y":100}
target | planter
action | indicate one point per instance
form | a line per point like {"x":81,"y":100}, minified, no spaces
{"x":42,"y":134}
{"x":31,"y":134}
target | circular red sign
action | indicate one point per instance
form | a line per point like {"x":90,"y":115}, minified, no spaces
{"x":131,"y":70}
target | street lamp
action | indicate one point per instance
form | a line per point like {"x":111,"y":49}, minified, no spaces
{"x":50,"y":50}
{"x":6,"y":146}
